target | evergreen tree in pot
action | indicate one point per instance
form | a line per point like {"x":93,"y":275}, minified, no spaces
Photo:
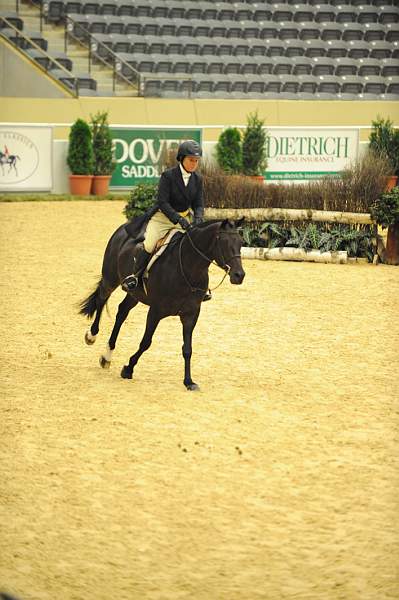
{"x":80,"y":158}
{"x":228,"y":151}
{"x":384,"y":141}
{"x":385,"y":211}
{"x":102,"y":149}
{"x":254,"y":160}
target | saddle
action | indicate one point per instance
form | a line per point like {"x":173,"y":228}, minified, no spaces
{"x":162,"y":244}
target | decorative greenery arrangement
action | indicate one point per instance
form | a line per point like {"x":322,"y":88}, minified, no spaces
{"x":385,"y":210}
{"x":384,"y":141}
{"x":80,"y":157}
{"x":102,"y":144}
{"x":229,"y":151}
{"x":254,"y":160}
{"x":358,"y":242}
{"x":355,"y":191}
{"x":142,"y":197}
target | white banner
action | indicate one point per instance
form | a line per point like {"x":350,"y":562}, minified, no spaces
{"x":309,"y":153}
{"x":25,"y":158}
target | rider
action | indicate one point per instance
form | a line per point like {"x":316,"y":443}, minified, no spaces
{"x":179,"y":193}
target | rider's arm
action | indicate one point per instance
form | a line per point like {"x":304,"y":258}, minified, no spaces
{"x":164,"y":188}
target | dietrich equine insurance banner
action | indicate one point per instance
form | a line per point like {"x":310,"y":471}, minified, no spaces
{"x":140,"y":153}
{"x":295,"y":154}
{"x":26,"y":158}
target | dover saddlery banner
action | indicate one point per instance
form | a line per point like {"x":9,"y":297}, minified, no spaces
{"x":139,"y":151}
{"x":309,"y":153}
{"x":25,"y":158}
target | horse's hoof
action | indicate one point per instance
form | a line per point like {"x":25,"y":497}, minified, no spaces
{"x":89,"y":338}
{"x":192,"y":387}
{"x":104,"y":363}
{"x":126,"y":373}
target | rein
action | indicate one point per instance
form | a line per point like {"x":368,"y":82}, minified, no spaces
{"x":225,"y":267}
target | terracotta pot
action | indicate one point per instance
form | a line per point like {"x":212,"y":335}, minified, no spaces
{"x":392,"y":249}
{"x":100,"y":185}
{"x":80,"y":185}
{"x":391,"y":183}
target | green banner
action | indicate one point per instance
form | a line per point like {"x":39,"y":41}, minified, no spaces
{"x":141,"y":153}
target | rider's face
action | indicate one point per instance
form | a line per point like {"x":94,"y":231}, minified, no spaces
{"x":190,"y":163}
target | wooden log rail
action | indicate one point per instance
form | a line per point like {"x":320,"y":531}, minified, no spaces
{"x":289,"y":214}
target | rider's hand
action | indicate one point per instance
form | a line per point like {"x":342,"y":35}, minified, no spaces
{"x":184,"y":223}
{"x":198,"y":220}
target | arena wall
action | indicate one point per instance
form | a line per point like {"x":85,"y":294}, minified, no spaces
{"x":211,"y":115}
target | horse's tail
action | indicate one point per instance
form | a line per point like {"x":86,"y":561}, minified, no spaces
{"x":89,"y":305}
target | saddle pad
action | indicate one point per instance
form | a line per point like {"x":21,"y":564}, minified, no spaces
{"x":165,"y":241}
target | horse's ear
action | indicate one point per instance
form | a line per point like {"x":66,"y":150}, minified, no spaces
{"x":226,"y":224}
{"x":240,"y":222}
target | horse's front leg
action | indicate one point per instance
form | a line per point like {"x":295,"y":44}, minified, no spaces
{"x":153,"y":319}
{"x":123,"y":310}
{"x":189,"y":321}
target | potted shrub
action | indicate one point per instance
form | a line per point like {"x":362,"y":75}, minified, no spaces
{"x":384,"y":141}
{"x":102,"y":150}
{"x":254,"y":160}
{"x":80,"y":158}
{"x":228,"y":151}
{"x":385,"y":211}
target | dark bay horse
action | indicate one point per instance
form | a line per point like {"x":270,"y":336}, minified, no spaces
{"x":176,"y":285}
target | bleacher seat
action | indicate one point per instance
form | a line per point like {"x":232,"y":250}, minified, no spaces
{"x":325,"y":13}
{"x":381,"y":50}
{"x":283,"y":65}
{"x":337,"y":49}
{"x":282,"y":12}
{"x":352,"y":31}
{"x":323,"y":65}
{"x":309,"y":31}
{"x":390,"y":67}
{"x":392,"y":85}
{"x":392,"y":34}
{"x":302,"y":65}
{"x":346,"y":66}
{"x":295,"y":48}
{"x":304,"y":12}
{"x":271,"y":47}
{"x":329,"y":84}
{"x":358,"y":49}
{"x":315,"y":48}
{"x":351,"y":84}
{"x":369,"y":66}
{"x":13,"y":18}
{"x":331,"y":31}
{"x":374,"y":85}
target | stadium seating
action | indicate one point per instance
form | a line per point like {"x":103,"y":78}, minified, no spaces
{"x":342,"y":47}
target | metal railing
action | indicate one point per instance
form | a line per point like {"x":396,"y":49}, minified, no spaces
{"x":98,"y":52}
{"x":51,"y":60}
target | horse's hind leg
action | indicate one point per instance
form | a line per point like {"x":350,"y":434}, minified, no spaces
{"x":123,"y":310}
{"x":152,"y":323}
{"x":98,"y":300}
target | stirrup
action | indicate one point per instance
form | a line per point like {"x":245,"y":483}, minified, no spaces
{"x":130,"y":283}
{"x":208,"y":296}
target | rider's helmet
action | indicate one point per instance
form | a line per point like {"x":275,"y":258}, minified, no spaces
{"x":188,"y":148}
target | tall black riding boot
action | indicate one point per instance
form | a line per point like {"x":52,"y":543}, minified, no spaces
{"x":131,"y":282}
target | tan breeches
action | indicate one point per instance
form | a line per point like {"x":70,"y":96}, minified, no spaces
{"x":158,"y":226}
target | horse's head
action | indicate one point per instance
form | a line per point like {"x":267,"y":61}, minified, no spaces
{"x":228,"y":250}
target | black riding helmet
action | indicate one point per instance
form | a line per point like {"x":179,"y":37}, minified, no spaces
{"x":188,"y":148}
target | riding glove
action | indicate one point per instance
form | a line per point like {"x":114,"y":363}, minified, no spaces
{"x":198,"y":220}
{"x":184,"y":223}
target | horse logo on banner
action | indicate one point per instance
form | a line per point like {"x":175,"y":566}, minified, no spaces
{"x":8,"y":159}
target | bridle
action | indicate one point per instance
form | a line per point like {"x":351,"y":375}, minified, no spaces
{"x":225,"y":266}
